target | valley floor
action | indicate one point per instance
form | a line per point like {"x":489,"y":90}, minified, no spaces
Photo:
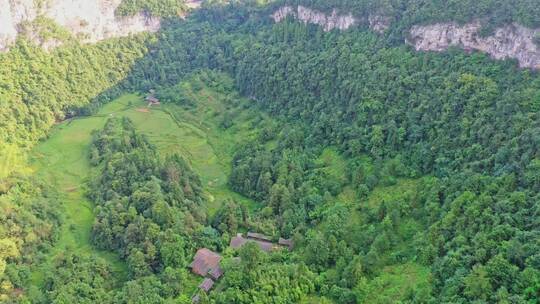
{"x":196,"y":132}
{"x":63,"y":161}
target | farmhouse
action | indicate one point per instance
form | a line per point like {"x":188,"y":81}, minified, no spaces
{"x":206,"y":264}
{"x":286,"y":243}
{"x":238,"y":241}
{"x":264,"y":242}
{"x":206,"y":285}
{"x":215,"y":273}
{"x":205,"y":261}
{"x":258,"y":237}
{"x":152,"y":100}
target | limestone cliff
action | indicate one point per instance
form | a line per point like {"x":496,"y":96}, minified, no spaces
{"x":511,"y":41}
{"x":90,"y":20}
{"x":327,"y":21}
{"x":330,"y":21}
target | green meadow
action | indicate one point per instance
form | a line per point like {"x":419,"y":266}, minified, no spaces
{"x":63,"y":160}
{"x":195,"y":131}
{"x":394,"y":283}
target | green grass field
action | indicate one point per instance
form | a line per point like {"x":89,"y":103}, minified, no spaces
{"x":12,"y":159}
{"x":334,"y":164}
{"x":195,"y":133}
{"x":404,"y":189}
{"x":62,"y":159}
{"x":394,"y":283}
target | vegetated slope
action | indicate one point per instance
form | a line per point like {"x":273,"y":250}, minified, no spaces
{"x":453,"y":116}
{"x":501,"y":41}
{"x":468,"y":121}
{"x":30,"y":217}
{"x":40,"y":88}
{"x":87,"y":20}
{"x":450,"y":138}
{"x":170,"y":8}
{"x":493,"y":13}
{"x":189,"y":126}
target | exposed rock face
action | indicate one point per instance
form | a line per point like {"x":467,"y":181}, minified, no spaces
{"x":11,"y":16}
{"x":331,"y":21}
{"x":307,"y":15}
{"x":282,"y":13}
{"x":511,"y":41}
{"x":91,"y":20}
{"x":379,"y":23}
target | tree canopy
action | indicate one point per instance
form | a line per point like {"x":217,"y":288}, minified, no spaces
{"x":400,"y":176}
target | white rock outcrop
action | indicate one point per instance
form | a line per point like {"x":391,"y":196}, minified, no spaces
{"x":91,"y":20}
{"x":511,"y":41}
{"x":327,"y":21}
{"x":379,"y":23}
{"x":331,"y":21}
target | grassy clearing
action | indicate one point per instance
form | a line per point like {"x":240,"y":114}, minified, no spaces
{"x":333,"y":164}
{"x":394,"y":283}
{"x":207,"y":145}
{"x":404,"y":189}
{"x":62,"y":160}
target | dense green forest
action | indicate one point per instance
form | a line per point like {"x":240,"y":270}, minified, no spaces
{"x":30,"y":213}
{"x":77,"y":73}
{"x":148,"y":210}
{"x":169,"y":8}
{"x":401,"y":176}
{"x":493,"y":13}
{"x":468,"y":122}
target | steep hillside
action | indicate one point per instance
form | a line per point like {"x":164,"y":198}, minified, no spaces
{"x":441,"y":152}
{"x":387,"y":174}
{"x":89,"y":20}
{"x":512,"y":40}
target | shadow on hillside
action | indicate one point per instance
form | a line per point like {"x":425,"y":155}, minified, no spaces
{"x":184,"y":46}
